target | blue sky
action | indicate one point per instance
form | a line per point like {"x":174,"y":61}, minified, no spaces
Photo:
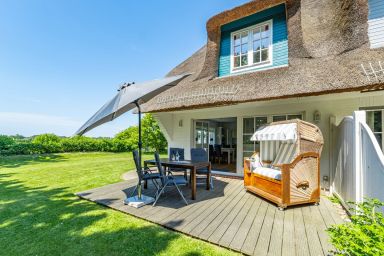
{"x":61,"y":60}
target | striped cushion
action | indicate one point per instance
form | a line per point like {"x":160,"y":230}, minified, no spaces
{"x":268,"y":172}
{"x":268,"y":150}
{"x":286,"y":154}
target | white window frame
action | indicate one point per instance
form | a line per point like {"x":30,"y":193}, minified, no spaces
{"x":381,"y":143}
{"x":251,"y":65}
{"x":286,"y":116}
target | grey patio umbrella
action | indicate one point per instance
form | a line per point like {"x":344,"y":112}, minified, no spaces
{"x":128,"y":97}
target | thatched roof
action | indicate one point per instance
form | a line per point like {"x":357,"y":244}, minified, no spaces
{"x":324,"y":57}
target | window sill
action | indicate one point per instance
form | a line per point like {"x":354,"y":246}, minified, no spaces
{"x":252,"y":67}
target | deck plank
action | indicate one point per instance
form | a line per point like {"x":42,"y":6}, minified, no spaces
{"x":333,"y":211}
{"x":211,"y":213}
{"x":195,"y":215}
{"x":327,"y":217}
{"x":288,"y":247}
{"x":254,"y":232}
{"x":235,"y":226}
{"x":180,"y":217}
{"x":321,"y":229}
{"x":262,"y":244}
{"x":314,"y":243}
{"x":276,"y":241}
{"x":300,"y":235}
{"x":231,"y":217}
{"x":242,"y":232}
{"x":216,"y":229}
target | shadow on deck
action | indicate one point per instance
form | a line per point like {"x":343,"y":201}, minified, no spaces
{"x":231,"y":217}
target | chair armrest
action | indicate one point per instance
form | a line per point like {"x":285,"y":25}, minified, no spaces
{"x":278,"y":165}
{"x":147,"y":170}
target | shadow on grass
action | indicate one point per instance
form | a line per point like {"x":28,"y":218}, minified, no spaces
{"x":20,"y":160}
{"x":46,"y":221}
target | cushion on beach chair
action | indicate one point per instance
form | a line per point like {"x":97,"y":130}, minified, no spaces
{"x":268,"y":172}
{"x":255,"y":161}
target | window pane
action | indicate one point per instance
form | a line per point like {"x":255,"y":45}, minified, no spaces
{"x":256,"y":34}
{"x":237,"y":40}
{"x":279,"y":118}
{"x":256,"y":57}
{"x":378,"y":122}
{"x":260,"y":121}
{"x":379,"y":137}
{"x":237,"y":50}
{"x":236,"y":61}
{"x":374,"y":121}
{"x":265,"y":31}
{"x":244,"y":60}
{"x":294,"y":117}
{"x":264,"y":55}
{"x":244,"y":48}
{"x":248,"y":145}
{"x":256,"y":45}
{"x":248,"y":154}
{"x":265,"y":43}
{"x":248,"y":125}
{"x":244,"y":37}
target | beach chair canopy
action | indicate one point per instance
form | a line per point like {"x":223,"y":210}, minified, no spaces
{"x":280,"y":132}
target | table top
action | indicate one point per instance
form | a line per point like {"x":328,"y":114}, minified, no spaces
{"x":181,"y":163}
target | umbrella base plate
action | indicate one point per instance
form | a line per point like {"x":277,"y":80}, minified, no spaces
{"x":136,"y":202}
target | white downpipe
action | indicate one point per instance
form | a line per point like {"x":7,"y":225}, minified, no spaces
{"x":358,"y":118}
{"x":332,"y":127}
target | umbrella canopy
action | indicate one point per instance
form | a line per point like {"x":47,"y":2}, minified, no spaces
{"x":281,"y":132}
{"x":128,"y":98}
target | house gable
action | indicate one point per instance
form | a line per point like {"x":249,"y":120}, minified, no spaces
{"x":279,"y":57}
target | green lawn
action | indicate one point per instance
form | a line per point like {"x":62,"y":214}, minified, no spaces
{"x":40,"y":215}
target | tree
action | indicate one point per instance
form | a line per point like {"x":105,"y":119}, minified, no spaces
{"x":153,"y":138}
{"x":6,"y":142}
{"x":126,"y":140}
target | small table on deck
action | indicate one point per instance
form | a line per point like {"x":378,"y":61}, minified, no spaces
{"x":186,"y":164}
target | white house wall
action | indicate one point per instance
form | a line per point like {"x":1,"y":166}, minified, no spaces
{"x":336,"y":106}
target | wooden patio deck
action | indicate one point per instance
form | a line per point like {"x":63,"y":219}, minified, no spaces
{"x":231,"y":217}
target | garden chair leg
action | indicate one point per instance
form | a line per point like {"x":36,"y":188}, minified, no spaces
{"x":159,"y":194}
{"x":181,"y":194}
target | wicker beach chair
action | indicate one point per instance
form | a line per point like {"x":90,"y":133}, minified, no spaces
{"x":289,"y":170}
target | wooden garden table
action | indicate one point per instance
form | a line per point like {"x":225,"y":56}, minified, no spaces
{"x":193,"y":166}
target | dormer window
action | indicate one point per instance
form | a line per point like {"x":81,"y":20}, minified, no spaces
{"x":251,"y":47}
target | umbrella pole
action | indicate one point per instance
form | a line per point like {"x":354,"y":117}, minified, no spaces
{"x":140,"y":149}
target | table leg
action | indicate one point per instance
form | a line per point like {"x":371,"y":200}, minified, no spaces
{"x":229,"y":157}
{"x":193,"y":178}
{"x":209,"y":177}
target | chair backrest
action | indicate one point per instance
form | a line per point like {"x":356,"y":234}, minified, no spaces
{"x":160,"y":168}
{"x":173,"y":151}
{"x":269,"y":149}
{"x":218,"y":150}
{"x":139,"y":171}
{"x":199,"y":155}
{"x":286,"y":153}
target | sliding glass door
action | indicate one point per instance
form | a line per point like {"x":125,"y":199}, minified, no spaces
{"x":250,"y":125}
{"x":202,"y":134}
